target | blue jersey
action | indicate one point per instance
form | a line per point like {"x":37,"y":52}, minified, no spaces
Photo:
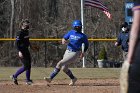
{"x":75,"y":40}
{"x":123,"y":40}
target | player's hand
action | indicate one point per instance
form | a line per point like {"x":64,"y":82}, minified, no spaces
{"x":81,"y":55}
{"x":116,"y":44}
{"x":20,"y":54}
{"x":129,"y":60}
{"x":64,"y":41}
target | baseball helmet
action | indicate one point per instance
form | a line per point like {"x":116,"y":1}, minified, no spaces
{"x":76,"y":23}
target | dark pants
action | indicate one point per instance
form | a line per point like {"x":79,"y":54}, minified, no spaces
{"x":134,"y":79}
{"x":26,"y":60}
{"x":125,"y":55}
{"x":134,"y":72}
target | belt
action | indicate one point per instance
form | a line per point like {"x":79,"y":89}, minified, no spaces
{"x":72,"y":50}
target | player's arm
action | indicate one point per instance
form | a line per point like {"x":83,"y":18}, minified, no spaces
{"x":134,"y":34}
{"x":64,"y":41}
{"x":18,"y":43}
{"x":86,"y":44}
{"x":118,"y":42}
{"x":18,"y":40}
{"x":65,"y":38}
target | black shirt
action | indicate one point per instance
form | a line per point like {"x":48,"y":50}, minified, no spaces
{"x":137,"y":4}
{"x":22,"y":40}
{"x":123,"y":40}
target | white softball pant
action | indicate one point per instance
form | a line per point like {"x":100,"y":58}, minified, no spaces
{"x":68,"y":58}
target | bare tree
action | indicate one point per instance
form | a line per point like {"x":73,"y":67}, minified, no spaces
{"x":12,"y":18}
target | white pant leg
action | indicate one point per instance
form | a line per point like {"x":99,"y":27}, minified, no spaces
{"x":68,"y":58}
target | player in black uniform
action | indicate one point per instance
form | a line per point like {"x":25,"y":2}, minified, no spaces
{"x":22,"y":44}
{"x":131,"y":67}
{"x":134,"y":51}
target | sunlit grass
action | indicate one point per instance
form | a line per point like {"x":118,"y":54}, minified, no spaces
{"x":84,"y":73}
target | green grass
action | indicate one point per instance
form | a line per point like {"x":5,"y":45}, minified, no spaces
{"x":84,"y":73}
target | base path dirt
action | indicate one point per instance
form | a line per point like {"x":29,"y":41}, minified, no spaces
{"x":61,"y":86}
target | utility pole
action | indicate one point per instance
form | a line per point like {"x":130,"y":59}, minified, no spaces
{"x":82,"y":19}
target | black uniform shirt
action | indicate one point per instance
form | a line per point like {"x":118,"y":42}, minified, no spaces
{"x":136,"y":5}
{"x":22,"y":40}
{"x":123,"y":40}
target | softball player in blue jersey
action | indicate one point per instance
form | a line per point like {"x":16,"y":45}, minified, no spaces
{"x":75,"y":38}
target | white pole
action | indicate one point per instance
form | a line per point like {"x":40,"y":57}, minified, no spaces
{"x":82,"y":19}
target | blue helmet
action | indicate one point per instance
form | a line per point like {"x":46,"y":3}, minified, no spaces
{"x":76,"y":23}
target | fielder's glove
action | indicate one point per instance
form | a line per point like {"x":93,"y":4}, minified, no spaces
{"x":35,"y":47}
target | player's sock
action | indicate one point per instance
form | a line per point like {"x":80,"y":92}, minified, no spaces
{"x":28,"y":72}
{"x":54,"y":73}
{"x":69,"y":73}
{"x":21,"y":70}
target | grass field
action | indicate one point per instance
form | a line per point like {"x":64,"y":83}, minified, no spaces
{"x":90,"y":80}
{"x":83,"y":73}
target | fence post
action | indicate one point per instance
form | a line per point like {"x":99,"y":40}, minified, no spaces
{"x":45,"y":55}
{"x":94,"y":47}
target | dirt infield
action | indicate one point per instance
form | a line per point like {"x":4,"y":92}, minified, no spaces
{"x":61,"y":86}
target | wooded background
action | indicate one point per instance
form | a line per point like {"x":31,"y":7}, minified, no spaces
{"x":52,"y":19}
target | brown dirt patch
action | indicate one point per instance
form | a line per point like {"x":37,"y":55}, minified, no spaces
{"x":61,"y":86}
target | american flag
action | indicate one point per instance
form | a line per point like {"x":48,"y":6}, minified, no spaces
{"x":98,"y":4}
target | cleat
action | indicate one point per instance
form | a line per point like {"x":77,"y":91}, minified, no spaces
{"x":14,"y":79}
{"x":73,"y":81}
{"x":29,"y":82}
{"x":48,"y":79}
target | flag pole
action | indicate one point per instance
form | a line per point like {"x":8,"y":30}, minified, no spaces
{"x":82,"y":20}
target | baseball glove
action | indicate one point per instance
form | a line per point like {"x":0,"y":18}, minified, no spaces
{"x":35,"y":47}
{"x":124,"y":77}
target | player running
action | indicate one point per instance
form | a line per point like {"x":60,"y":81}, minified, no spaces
{"x":75,"y":38}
